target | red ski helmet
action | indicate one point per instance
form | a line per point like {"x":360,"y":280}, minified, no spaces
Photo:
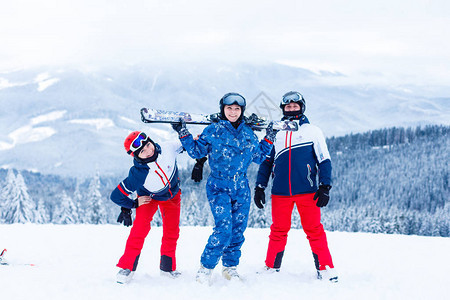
{"x":135,"y":141}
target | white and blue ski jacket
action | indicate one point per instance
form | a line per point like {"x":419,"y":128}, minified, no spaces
{"x":158,"y":179}
{"x":295,"y":161}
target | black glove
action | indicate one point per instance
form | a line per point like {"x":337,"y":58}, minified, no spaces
{"x":253,"y":119}
{"x":214,"y":118}
{"x":125,"y":217}
{"x":270,"y":133}
{"x":180,"y":127}
{"x":197,"y":171}
{"x":260,"y":197}
{"x":322,"y":195}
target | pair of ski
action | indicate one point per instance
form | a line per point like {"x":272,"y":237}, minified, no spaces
{"x":4,"y":262}
{"x":149,"y":115}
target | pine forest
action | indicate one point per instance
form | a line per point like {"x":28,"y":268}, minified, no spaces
{"x":393,"y":180}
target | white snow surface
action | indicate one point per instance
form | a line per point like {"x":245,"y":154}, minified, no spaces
{"x":27,"y":134}
{"x":30,"y":133}
{"x":78,"y":262}
{"x":52,"y":116}
{"x":44,"y":81}
{"x":97,"y":123}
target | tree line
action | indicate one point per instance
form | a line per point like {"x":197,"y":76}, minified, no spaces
{"x":392,"y":180}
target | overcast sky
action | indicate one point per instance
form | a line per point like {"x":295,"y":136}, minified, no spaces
{"x":404,"y":41}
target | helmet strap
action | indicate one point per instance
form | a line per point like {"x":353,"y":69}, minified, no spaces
{"x":148,"y":159}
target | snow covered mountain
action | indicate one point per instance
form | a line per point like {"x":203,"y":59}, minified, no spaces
{"x":72,"y":122}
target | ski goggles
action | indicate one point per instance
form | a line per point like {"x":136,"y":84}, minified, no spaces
{"x":292,"y":97}
{"x":138,"y":141}
{"x":233,"y":98}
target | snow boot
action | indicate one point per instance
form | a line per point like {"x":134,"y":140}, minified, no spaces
{"x":124,"y":276}
{"x":171,"y":274}
{"x":204,"y":275}
{"x":268,"y":270}
{"x":327,"y":274}
{"x":230,"y":273}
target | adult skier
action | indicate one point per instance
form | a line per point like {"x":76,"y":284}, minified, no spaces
{"x":296,"y":160}
{"x":231,"y":146}
{"x":154,"y":177}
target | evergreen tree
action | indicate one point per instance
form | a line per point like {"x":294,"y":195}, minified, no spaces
{"x":295,"y":218}
{"x":190,"y":210}
{"x":7,"y":187}
{"x":78,"y":201}
{"x":66,"y":211}
{"x":259,"y":217}
{"x":18,"y":207}
{"x":5,"y":193}
{"x":95,"y":210}
{"x":41,"y":215}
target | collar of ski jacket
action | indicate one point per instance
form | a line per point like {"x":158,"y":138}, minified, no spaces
{"x":150,"y":159}
{"x":229,"y":125}
{"x":301,"y":120}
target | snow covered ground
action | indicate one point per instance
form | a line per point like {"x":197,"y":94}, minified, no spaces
{"x":78,"y":262}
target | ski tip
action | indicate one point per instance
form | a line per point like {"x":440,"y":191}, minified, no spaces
{"x":3,"y":252}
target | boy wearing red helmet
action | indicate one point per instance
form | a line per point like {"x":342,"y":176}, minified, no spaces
{"x":154,"y":178}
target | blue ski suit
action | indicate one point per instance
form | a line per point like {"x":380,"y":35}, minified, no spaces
{"x":230,"y":152}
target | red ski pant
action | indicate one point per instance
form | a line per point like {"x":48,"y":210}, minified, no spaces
{"x":282,"y":207}
{"x":170,"y":212}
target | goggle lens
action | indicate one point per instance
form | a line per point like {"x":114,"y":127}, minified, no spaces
{"x":137,"y":142}
{"x":291,"y":97}
{"x":233,"y":99}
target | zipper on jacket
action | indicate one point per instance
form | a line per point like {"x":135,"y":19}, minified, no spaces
{"x":290,"y":160}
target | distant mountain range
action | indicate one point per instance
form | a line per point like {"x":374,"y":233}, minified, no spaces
{"x":72,"y":122}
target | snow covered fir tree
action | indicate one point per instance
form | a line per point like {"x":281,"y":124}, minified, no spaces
{"x":393,"y":180}
{"x":17,"y":205}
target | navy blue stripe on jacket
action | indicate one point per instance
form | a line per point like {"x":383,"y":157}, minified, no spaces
{"x":298,"y":162}
{"x":158,"y":179}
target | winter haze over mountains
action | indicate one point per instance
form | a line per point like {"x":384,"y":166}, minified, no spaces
{"x":74,"y":75}
{"x":73,"y":122}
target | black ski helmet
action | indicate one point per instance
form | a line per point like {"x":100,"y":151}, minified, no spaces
{"x":230,"y":99}
{"x":295,"y":97}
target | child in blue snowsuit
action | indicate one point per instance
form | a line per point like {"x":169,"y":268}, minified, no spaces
{"x":231,"y":146}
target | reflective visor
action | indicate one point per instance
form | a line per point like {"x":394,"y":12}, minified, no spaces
{"x":137,"y":142}
{"x":233,"y":99}
{"x":291,"y":97}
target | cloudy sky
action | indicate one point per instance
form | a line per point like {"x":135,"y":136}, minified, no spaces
{"x":398,"y":41}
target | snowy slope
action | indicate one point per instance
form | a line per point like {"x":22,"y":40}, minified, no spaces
{"x":78,"y":262}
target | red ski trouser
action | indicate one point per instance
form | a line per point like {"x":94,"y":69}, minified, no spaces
{"x":282,"y":207}
{"x":170,"y":212}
